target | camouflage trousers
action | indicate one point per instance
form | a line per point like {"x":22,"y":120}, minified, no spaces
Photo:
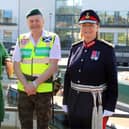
{"x":40,"y":104}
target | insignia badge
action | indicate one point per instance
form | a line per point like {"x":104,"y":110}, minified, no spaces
{"x":95,"y":55}
{"x":47,"y":39}
{"x":24,"y":40}
{"x":87,"y":15}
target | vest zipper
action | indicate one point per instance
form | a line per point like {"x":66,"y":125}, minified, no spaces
{"x":32,"y":67}
{"x":32,"y":63}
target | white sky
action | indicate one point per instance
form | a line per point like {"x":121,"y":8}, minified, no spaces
{"x":10,"y":5}
{"x":110,"y":5}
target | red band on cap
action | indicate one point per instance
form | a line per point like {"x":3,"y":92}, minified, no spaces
{"x":83,"y":18}
{"x":93,"y":18}
{"x":90,"y":18}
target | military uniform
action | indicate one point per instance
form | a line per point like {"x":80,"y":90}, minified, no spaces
{"x":90,"y":65}
{"x":3,"y":56}
{"x":90,"y":84}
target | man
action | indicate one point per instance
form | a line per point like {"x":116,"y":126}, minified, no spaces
{"x":4,"y":60}
{"x":35,"y":60}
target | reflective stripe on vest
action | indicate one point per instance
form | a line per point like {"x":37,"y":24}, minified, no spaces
{"x":35,"y":60}
{"x":41,"y":60}
{"x":42,"y":88}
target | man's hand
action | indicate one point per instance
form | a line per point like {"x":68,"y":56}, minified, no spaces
{"x":30,"y":89}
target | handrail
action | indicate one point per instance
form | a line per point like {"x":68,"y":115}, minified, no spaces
{"x":60,"y":111}
{"x":11,"y":109}
{"x":120,"y":115}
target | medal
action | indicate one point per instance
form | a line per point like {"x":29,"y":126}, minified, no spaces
{"x":95,"y":55}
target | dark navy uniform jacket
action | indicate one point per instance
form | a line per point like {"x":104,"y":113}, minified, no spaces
{"x":91,"y":65}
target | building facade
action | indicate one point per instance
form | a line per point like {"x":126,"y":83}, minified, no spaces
{"x":61,"y":16}
{"x":114,"y":20}
{"x":8,"y":27}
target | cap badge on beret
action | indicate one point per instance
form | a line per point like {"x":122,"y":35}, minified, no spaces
{"x":87,"y":15}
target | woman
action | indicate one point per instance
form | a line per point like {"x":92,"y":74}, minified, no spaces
{"x":91,"y":67}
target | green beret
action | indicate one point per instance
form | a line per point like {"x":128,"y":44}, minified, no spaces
{"x":33,"y":12}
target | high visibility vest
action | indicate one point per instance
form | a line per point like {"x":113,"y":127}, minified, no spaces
{"x":35,"y":59}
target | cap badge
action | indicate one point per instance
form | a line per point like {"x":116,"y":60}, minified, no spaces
{"x":87,"y":15}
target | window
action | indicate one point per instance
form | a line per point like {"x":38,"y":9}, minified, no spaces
{"x":66,"y":24}
{"x":7,"y":36}
{"x":122,"y":18}
{"x":107,"y":36}
{"x":122,"y":38}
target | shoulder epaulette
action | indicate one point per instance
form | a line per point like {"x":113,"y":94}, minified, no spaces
{"x":107,"y":43}
{"x":76,"y":43}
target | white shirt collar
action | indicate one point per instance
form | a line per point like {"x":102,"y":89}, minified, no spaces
{"x":44,"y":33}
